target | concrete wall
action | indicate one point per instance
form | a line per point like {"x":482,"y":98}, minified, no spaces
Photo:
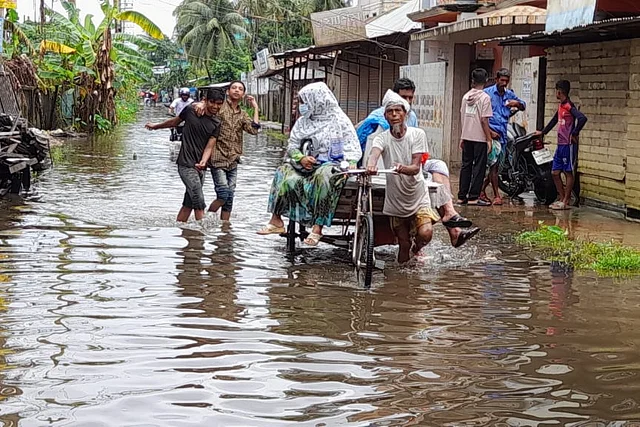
{"x":600,"y":77}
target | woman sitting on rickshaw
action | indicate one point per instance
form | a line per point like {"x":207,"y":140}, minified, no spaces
{"x":306,"y":189}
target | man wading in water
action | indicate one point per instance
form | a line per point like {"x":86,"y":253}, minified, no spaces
{"x":198,"y":142}
{"x":406,"y":200}
{"x":226,"y":156}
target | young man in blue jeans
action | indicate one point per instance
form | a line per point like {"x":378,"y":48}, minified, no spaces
{"x":570,"y":122}
{"x":226,"y":157}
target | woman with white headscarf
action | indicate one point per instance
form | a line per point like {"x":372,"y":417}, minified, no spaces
{"x":306,"y":189}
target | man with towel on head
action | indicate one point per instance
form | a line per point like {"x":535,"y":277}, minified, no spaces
{"x":407,"y":200}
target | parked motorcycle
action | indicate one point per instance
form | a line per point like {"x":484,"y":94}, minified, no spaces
{"x":526,"y":166}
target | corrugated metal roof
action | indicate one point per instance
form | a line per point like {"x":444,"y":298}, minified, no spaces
{"x":609,"y":29}
{"x":395,"y":21}
{"x":516,"y":15}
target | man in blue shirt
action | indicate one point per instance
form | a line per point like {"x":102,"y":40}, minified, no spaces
{"x":503,"y":101}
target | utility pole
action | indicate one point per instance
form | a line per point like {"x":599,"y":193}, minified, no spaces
{"x":116,"y":4}
{"x":43,"y":15}
{"x":1,"y":34}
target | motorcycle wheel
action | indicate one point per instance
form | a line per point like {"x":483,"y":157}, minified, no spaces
{"x":512,"y":186}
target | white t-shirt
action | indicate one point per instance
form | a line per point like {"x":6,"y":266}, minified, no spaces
{"x":178,"y":105}
{"x":405,"y":195}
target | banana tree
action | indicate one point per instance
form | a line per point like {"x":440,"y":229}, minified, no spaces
{"x":96,"y":55}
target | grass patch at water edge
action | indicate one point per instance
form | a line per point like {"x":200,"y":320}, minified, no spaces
{"x":277,"y":135}
{"x":605,"y":258}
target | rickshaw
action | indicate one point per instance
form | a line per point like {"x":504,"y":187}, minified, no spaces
{"x":363,"y":225}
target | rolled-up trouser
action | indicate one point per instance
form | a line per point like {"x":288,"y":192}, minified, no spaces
{"x":193,"y":180}
{"x":225,"y":182}
{"x":436,"y":166}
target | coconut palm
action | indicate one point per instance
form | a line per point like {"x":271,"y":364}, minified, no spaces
{"x":207,"y":27}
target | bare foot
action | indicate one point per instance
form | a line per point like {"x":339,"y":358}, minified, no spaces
{"x":215,"y":205}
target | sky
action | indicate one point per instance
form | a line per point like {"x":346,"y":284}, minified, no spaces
{"x":159,"y":11}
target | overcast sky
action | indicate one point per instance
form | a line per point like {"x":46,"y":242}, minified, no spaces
{"x":159,"y":11}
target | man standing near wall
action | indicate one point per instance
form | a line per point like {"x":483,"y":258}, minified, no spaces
{"x":503,"y":101}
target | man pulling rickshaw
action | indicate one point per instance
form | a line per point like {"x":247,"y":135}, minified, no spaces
{"x":311,"y":184}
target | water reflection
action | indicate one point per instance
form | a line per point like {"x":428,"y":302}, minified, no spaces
{"x":111,"y":315}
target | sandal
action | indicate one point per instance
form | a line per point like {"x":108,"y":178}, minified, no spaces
{"x":479,"y":203}
{"x":271,"y":229}
{"x":457,"y":221}
{"x":559,"y":206}
{"x":484,"y":197}
{"x":497,"y":201}
{"x":313,"y":239}
{"x":465,"y":236}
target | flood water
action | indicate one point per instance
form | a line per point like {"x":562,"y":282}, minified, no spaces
{"x":111,"y":315}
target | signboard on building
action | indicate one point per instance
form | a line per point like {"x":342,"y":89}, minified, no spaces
{"x":564,"y":14}
{"x":262,"y":61}
{"x":338,"y":26}
{"x":526,"y":83}
{"x":8,"y":4}
{"x":429,"y":102}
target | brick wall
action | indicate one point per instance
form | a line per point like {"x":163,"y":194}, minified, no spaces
{"x":600,"y":78}
{"x":633,"y":135}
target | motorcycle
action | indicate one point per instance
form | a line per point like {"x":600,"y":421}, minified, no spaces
{"x":526,"y":166}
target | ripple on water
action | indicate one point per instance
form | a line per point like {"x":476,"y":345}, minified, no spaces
{"x":112,"y":315}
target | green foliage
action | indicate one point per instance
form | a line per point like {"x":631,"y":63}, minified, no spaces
{"x":102,"y":125}
{"x":127,"y":105}
{"x":70,"y":58}
{"x":230,"y":64}
{"x":605,"y":258}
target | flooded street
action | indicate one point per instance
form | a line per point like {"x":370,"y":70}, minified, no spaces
{"x":111,"y":315}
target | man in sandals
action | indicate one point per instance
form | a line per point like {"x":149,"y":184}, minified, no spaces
{"x":407,"y":200}
{"x":436,"y":169}
{"x":570,"y":122}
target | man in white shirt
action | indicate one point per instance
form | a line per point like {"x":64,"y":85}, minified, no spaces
{"x":182,"y":101}
{"x":407,"y":199}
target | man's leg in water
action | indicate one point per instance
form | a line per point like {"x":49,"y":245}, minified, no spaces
{"x":232,"y":178}
{"x":401,"y":228}
{"x":184,"y":214}
{"x":193,"y":180}
{"x":423,"y":236}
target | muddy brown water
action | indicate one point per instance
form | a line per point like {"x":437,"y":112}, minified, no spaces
{"x":110,"y":315}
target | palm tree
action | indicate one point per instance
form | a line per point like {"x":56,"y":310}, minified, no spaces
{"x":92,"y":55}
{"x":206,"y":28}
{"x":322,"y":5}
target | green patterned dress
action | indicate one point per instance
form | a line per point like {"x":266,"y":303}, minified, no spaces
{"x":311,"y":200}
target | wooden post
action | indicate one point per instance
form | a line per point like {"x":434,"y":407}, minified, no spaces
{"x":283,"y":104}
{"x":1,"y":34}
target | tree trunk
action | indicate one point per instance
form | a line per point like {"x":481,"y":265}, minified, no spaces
{"x":98,"y":97}
{"x":106,"y":73}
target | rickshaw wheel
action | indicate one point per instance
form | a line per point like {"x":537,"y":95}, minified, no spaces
{"x":364,"y":245}
{"x":291,"y":236}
